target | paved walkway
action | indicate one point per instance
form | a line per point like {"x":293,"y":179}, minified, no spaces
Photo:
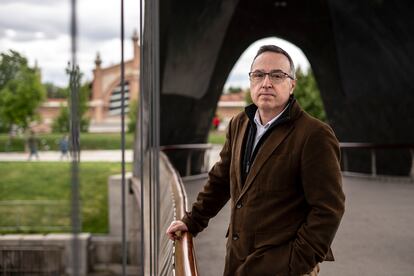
{"x":86,"y":156}
{"x":376,"y":236}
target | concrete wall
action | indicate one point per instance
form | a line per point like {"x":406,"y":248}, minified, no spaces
{"x":62,"y":241}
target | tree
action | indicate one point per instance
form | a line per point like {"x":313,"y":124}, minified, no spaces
{"x":55,"y":92}
{"x":21,"y":91}
{"x":234,"y":90}
{"x":62,"y":122}
{"x":248,"y":97}
{"x":132,"y":115}
{"x":308,"y":95}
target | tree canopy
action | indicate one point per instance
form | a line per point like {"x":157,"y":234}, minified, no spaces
{"x":233,"y":90}
{"x":55,"y":92}
{"x":62,"y":122}
{"x":308,"y":95}
{"x":21,"y":91}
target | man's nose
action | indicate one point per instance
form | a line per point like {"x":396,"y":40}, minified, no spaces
{"x":267,"y":82}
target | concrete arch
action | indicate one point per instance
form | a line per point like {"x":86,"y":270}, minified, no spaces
{"x":359,"y":51}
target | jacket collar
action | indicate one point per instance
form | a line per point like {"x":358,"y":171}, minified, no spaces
{"x":291,"y":112}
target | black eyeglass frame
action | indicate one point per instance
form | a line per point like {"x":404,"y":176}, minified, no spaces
{"x":273,"y":71}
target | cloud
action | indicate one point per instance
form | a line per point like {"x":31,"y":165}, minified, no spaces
{"x":27,"y":20}
{"x":40,"y":30}
{"x":97,"y":21}
{"x":30,"y":2}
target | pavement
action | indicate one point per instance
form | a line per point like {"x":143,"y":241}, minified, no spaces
{"x":376,"y":235}
{"x":85,"y":156}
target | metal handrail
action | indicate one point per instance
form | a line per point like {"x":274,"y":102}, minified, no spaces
{"x":186,"y":147}
{"x":372,"y":147}
{"x":375,"y":146}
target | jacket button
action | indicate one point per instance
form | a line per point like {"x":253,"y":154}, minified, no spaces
{"x":239,"y":205}
{"x":235,"y":237}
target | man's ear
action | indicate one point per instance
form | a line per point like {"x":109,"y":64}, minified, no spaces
{"x":293,"y":84}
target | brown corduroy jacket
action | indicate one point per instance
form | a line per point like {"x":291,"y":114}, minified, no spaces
{"x":286,"y":213}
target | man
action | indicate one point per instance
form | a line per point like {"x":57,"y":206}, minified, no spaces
{"x":280,"y":169}
{"x":32,"y":143}
{"x":64,"y":147}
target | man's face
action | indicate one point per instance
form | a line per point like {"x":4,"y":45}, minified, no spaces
{"x":271,"y":97}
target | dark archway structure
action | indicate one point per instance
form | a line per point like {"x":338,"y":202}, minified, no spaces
{"x":360,"y":51}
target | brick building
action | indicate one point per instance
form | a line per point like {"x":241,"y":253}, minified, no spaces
{"x":105,"y":104}
{"x":228,"y":106}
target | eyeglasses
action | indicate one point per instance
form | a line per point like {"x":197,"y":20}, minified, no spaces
{"x":275,"y":76}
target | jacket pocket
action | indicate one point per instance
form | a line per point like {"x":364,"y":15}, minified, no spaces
{"x":271,"y":255}
{"x":303,"y":258}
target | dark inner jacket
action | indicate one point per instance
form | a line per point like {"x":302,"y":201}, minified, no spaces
{"x":248,"y":140}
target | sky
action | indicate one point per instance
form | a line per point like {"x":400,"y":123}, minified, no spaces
{"x":39,"y":29}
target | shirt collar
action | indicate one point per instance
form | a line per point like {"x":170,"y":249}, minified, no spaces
{"x":259,"y":123}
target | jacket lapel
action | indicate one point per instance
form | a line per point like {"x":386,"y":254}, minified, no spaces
{"x":238,"y":151}
{"x":269,"y":146}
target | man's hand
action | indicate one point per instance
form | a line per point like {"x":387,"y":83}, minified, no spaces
{"x":175,"y":229}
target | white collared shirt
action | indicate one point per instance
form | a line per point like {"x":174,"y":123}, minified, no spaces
{"x":261,"y":129}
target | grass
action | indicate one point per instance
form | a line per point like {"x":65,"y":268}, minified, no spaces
{"x":217,"y":137}
{"x":50,"y":141}
{"x":50,"y":182}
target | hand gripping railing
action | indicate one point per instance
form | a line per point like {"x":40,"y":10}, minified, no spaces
{"x":373,"y":147}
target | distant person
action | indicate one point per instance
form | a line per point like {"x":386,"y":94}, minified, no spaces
{"x":33,"y":144}
{"x":216,"y":122}
{"x":64,"y":147}
{"x":280,"y":169}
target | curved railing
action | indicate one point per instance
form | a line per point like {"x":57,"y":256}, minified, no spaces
{"x":184,"y":255}
{"x":159,"y":255}
{"x":373,"y":147}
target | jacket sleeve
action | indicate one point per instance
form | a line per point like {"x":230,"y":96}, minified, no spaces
{"x":322,"y":186}
{"x":215,"y":193}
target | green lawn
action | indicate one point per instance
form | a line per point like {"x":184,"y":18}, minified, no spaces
{"x":90,"y":141}
{"x":50,"y":181}
{"x":217,"y":137}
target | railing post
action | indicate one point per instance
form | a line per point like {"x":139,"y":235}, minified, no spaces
{"x":345,"y":160}
{"x":412,"y":163}
{"x":206,"y":161}
{"x":188,"y":166}
{"x":373,"y":163}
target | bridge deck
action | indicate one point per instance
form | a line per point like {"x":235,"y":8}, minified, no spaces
{"x":376,"y":236}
